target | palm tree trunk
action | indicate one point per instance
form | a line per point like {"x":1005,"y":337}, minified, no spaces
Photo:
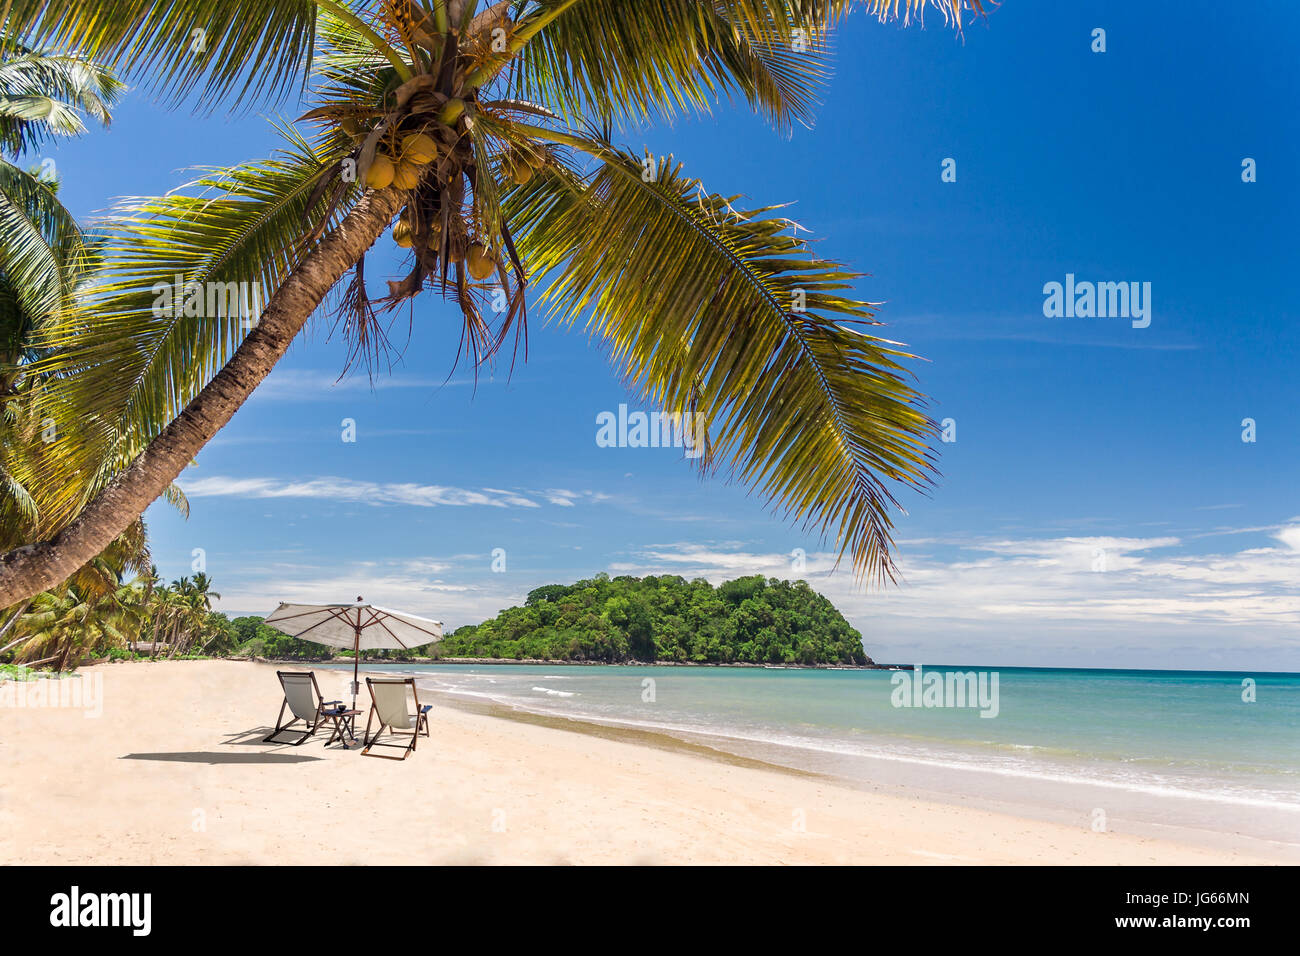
{"x":63,"y":656}
{"x":171,"y":637}
{"x":11,"y":622}
{"x":33,"y":568}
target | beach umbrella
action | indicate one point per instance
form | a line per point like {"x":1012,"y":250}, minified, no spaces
{"x":359,"y":627}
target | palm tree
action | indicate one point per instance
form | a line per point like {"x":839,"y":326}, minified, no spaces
{"x":169,"y":607}
{"x":491,"y":132}
{"x":45,"y":261}
{"x":71,"y":623}
{"x":96,"y":608}
{"x":188,"y":612}
{"x":200,"y":587}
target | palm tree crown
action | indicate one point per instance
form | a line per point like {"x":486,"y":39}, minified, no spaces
{"x":487,"y":134}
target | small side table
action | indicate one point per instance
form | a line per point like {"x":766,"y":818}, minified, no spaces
{"x":344,"y":725}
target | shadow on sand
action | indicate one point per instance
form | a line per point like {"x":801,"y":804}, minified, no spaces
{"x":199,"y":756}
{"x":257,"y":738}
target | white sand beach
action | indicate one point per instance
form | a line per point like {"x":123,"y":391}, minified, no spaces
{"x":174,"y":771}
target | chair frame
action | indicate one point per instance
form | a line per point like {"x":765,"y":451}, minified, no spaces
{"x":421,"y":712}
{"x":310,"y":727}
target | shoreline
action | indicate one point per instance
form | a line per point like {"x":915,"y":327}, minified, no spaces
{"x":542,"y":662}
{"x":175,"y":771}
{"x":912,"y":782}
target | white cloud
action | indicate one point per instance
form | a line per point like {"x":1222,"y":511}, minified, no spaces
{"x":1290,"y":537}
{"x":1041,"y":601}
{"x":417,"y":585}
{"x":1030,"y":601}
{"x":567,"y":499}
{"x":309,"y":385}
{"x":352,"y":490}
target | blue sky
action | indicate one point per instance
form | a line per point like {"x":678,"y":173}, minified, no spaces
{"x":1082,"y":443}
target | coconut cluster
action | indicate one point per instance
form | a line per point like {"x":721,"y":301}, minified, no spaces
{"x":400,"y":161}
{"x":419,"y":136}
{"x":477,"y":256}
{"x":401,"y":167}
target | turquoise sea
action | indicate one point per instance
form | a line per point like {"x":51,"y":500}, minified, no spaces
{"x":1146,"y":750}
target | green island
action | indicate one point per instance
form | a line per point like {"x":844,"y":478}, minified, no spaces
{"x":665,"y":618}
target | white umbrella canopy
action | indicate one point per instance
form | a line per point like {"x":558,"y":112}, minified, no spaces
{"x":357,"y":627}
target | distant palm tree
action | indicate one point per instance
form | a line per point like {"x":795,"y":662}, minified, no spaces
{"x":96,"y":608}
{"x":70,"y":622}
{"x":189,"y":612}
{"x":491,"y":132}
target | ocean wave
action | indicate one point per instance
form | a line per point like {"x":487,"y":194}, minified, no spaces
{"x":1094,"y":773}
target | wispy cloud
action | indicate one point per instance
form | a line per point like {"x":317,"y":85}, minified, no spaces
{"x":1050,"y":600}
{"x":419,"y":585}
{"x":1071,"y":600}
{"x":352,"y":490}
{"x":567,"y":499}
{"x":1031,"y":328}
{"x":1054,"y":580}
{"x":308,"y":385}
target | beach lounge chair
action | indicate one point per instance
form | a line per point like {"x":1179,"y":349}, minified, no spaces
{"x":396,"y":704}
{"x":303,"y":698}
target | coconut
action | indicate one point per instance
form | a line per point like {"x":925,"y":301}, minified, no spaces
{"x":402,"y":234}
{"x":406,"y":175}
{"x":480,"y":261}
{"x":534,"y":156}
{"x":451,"y":111}
{"x":419,"y":149}
{"x":516,"y":168}
{"x":380,"y":173}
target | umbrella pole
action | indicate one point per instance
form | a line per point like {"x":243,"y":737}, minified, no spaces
{"x":356,"y":658}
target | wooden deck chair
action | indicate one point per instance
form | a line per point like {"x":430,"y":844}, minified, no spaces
{"x":303,"y":698}
{"x":397,"y":705}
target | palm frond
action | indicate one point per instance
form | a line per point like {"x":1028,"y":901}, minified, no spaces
{"x":954,"y":11}
{"x":176,"y":498}
{"x":41,"y":246}
{"x":625,"y":61}
{"x":341,"y":52}
{"x":241,"y":51}
{"x":717,"y":310}
{"x":44,"y":94}
{"x":184,"y":278}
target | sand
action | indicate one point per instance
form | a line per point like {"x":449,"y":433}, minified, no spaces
{"x":174,"y":771}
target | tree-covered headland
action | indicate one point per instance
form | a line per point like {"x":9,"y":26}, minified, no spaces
{"x":752,"y":620}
